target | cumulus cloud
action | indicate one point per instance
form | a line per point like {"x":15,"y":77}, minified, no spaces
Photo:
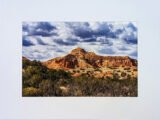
{"x":38,"y":29}
{"x":46,"y":40}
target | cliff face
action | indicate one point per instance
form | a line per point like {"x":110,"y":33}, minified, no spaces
{"x":24,"y":58}
{"x":79,"y":58}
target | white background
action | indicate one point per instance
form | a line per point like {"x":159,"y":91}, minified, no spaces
{"x":144,"y":107}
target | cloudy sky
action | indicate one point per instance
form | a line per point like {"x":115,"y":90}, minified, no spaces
{"x":46,"y":40}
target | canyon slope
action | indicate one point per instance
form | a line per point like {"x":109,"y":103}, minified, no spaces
{"x":79,"y":62}
{"x":79,"y":58}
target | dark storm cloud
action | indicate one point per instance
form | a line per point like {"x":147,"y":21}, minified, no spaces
{"x":106,"y":41}
{"x":41,"y":42}
{"x":119,"y":31}
{"x":86,"y":32}
{"x":106,"y":51}
{"x":46,"y":26}
{"x":41,"y":33}
{"x":130,"y":39}
{"x":134,"y":54}
{"x":123,"y":48}
{"x":44,"y":29}
{"x":105,"y":30}
{"x":59,"y":50}
{"x":81,"y":30}
{"x":25,"y":28}
{"x":83,"y":33}
{"x":130,"y":25}
{"x":69,"y":42}
{"x":26,"y":42}
{"x":92,"y":39}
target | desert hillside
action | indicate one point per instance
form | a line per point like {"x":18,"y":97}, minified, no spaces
{"x":80,"y":73}
{"x":79,"y":62}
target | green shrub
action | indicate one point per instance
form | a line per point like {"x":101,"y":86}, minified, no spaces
{"x":31,"y":91}
{"x":47,"y":88}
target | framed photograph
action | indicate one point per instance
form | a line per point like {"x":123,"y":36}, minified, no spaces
{"x":79,"y":60}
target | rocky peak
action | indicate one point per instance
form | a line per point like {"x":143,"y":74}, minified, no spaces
{"x":91,"y":53}
{"x":78,"y":51}
{"x":79,"y":58}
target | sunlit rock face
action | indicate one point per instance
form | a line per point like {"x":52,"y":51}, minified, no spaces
{"x":79,"y":58}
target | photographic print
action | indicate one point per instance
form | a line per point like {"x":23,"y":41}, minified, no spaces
{"x":79,"y":59}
